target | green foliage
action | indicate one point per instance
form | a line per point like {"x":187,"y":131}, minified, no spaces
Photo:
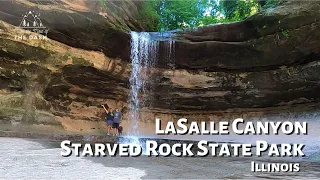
{"x":178,"y":14}
{"x":205,"y":20}
{"x":238,"y":10}
{"x":148,"y":16}
{"x":102,"y":3}
{"x":271,"y":3}
{"x":164,"y":15}
{"x":285,"y":32}
{"x":210,"y":13}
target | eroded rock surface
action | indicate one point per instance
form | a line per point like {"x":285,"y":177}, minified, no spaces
{"x":269,"y":60}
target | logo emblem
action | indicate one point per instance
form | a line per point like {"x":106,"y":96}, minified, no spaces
{"x":31,"y":21}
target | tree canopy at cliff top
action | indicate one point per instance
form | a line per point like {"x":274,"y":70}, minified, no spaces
{"x":164,"y":15}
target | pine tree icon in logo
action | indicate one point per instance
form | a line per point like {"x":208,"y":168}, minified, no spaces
{"x":31,"y":20}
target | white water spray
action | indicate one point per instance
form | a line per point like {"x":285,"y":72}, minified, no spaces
{"x":144,"y":53}
{"x":144,"y":56}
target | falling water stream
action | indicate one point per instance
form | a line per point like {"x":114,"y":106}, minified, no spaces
{"x":144,"y":54}
{"x":143,"y":57}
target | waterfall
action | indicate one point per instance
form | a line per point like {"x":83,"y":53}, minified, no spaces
{"x":144,"y":56}
{"x":144,"y":52}
{"x":170,"y":53}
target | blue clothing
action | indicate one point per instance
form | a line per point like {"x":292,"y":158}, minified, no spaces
{"x":117,"y":117}
{"x":110,"y":116}
{"x":109,"y":123}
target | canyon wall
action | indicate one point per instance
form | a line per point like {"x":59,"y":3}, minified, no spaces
{"x":266,"y":64}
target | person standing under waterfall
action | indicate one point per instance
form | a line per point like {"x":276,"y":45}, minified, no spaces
{"x":109,"y":118}
{"x":116,"y":122}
